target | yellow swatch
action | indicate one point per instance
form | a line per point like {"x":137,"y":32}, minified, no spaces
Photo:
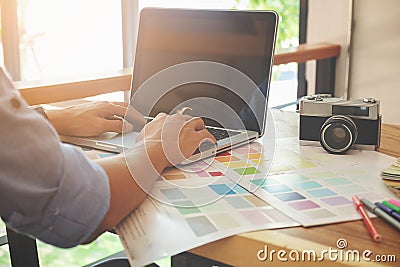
{"x":178,"y":176}
{"x":236,"y":164}
{"x":254,"y":156}
{"x":227,"y":158}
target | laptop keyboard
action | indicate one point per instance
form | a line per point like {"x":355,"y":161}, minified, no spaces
{"x":220,"y":134}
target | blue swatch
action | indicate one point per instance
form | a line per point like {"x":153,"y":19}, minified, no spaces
{"x":289,"y":196}
{"x":265,"y":181}
{"x":238,"y":189}
{"x":222,"y":189}
{"x":308,"y":185}
{"x":321,"y":193}
{"x":258,"y":181}
{"x":278,"y":188}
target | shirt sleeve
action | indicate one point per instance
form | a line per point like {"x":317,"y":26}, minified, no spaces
{"x":49,"y":190}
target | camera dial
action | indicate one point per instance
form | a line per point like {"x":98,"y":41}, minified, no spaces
{"x":369,"y":100}
{"x":338,"y":134}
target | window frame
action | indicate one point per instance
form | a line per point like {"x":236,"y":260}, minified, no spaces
{"x":11,"y":40}
{"x":10,"y":37}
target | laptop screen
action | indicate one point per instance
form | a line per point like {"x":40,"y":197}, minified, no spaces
{"x":217,"y":63}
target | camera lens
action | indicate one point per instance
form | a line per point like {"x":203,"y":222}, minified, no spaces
{"x":338,"y":134}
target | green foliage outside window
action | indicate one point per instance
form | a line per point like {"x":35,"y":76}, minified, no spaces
{"x":288,"y":10}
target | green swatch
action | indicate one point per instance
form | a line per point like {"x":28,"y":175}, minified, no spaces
{"x":245,"y":171}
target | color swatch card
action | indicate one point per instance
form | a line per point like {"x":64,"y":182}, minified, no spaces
{"x":177,"y":219}
{"x":392,"y":172}
{"x":195,"y":174}
{"x":252,"y":187}
{"x":308,"y":184}
{"x":192,"y":205}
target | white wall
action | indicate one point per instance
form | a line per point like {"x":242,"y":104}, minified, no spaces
{"x":375,"y":60}
{"x":374,"y":69}
{"x":330,"y":21}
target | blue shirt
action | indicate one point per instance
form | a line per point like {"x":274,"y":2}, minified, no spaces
{"x":48,"y":190}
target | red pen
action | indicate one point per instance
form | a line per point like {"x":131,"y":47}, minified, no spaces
{"x":371,"y":228}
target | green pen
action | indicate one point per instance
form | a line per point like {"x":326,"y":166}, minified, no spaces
{"x":390,"y":205}
{"x":381,"y":214}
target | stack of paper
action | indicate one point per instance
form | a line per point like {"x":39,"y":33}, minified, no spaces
{"x":392,"y":172}
{"x":391,"y":177}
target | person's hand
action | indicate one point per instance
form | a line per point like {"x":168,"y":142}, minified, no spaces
{"x":178,"y":136}
{"x":95,"y":118}
{"x":133,"y":173}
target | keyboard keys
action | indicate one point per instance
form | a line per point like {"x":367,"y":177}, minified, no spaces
{"x":221,"y":133}
{"x":218,"y":134}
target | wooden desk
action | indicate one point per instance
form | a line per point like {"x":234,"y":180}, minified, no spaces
{"x":241,"y":250}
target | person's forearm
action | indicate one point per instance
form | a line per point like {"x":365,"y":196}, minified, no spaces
{"x":126,"y":194}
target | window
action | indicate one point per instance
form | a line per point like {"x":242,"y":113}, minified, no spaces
{"x":65,"y":37}
{"x":284,"y":77}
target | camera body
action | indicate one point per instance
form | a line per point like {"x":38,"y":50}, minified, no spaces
{"x":339,"y":124}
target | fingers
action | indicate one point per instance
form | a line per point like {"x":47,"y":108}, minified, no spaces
{"x":127,"y":112}
{"x":197,"y":123}
{"x":160,"y":116}
{"x":204,"y":135}
{"x":117,"y":126}
{"x":114,"y":110}
{"x":122,"y":104}
{"x":109,"y":109}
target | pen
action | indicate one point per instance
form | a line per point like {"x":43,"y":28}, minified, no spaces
{"x":395,"y":202}
{"x":389,"y":211}
{"x":390,"y":205}
{"x":381,"y":214}
{"x":371,"y":228}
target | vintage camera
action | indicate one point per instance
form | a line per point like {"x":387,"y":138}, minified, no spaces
{"x":337,"y":124}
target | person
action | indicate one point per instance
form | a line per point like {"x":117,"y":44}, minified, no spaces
{"x":51,"y":191}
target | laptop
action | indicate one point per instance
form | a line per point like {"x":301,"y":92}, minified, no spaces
{"x":213,"y":64}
